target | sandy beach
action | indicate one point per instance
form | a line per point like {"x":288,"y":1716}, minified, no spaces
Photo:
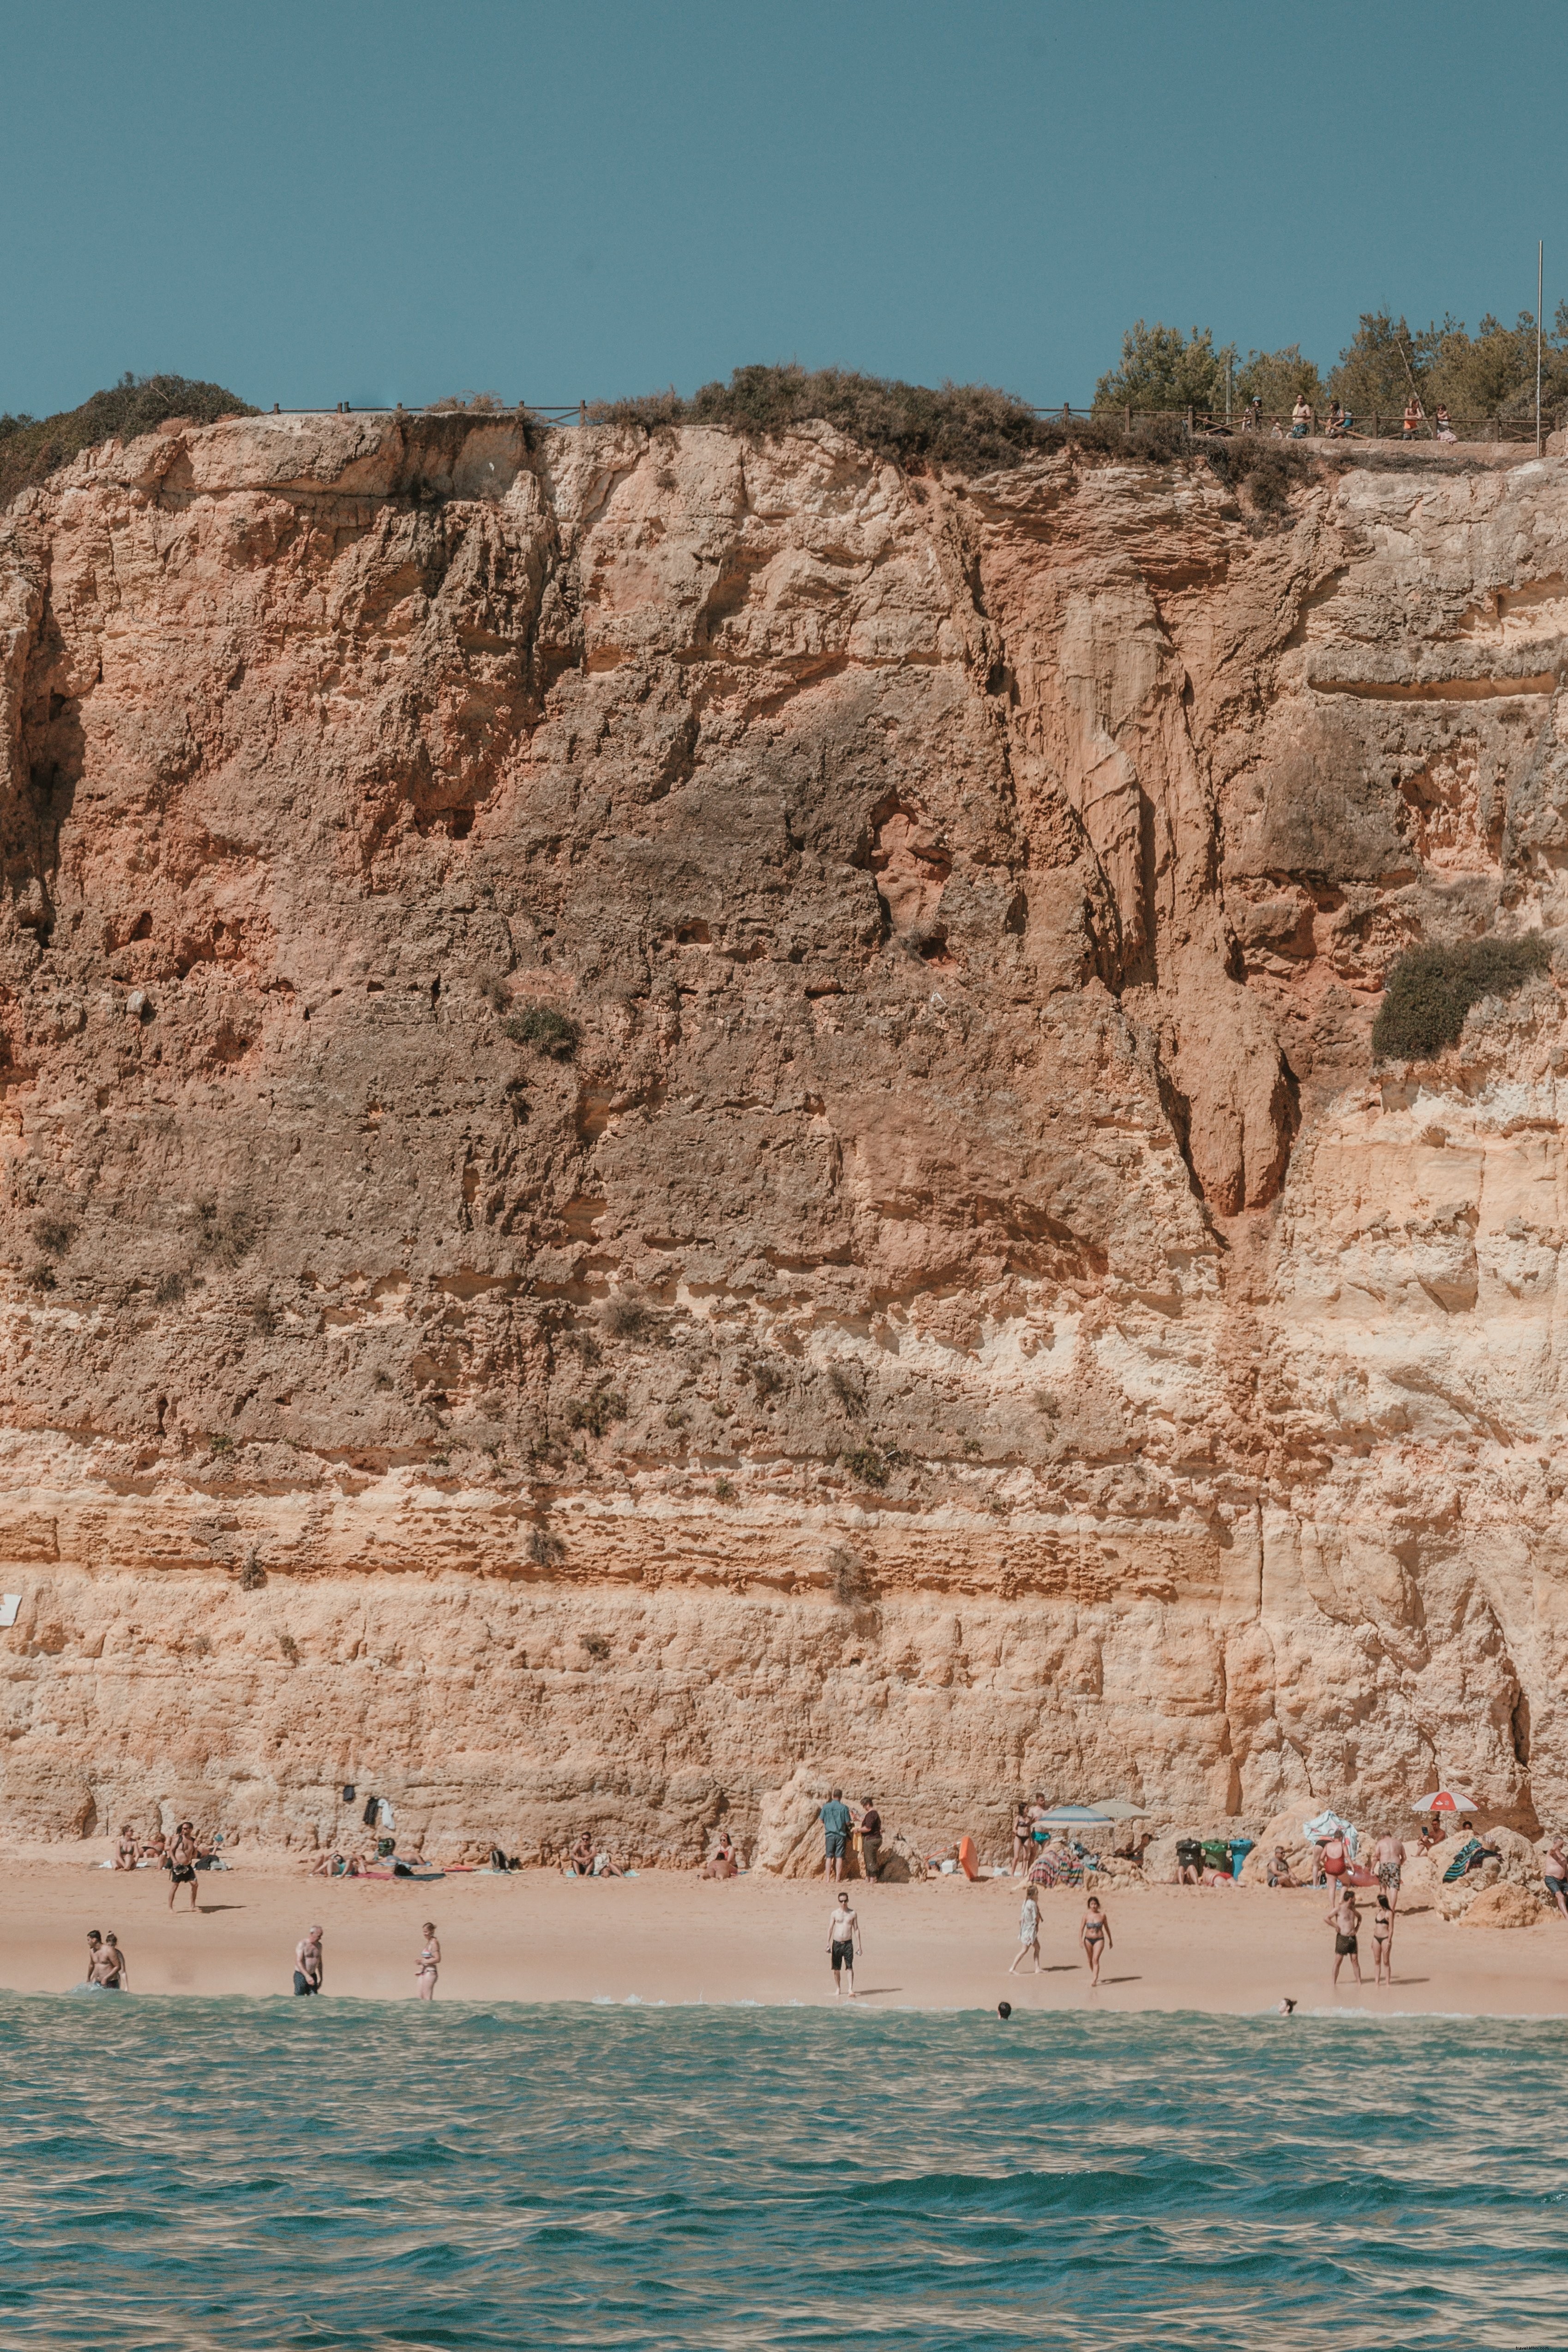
{"x":672,"y":1937}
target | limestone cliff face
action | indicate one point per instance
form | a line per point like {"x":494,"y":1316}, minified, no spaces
{"x":967,"y":1314}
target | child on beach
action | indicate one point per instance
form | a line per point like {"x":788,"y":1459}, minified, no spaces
{"x":1094,"y":1935}
{"x":1028,"y":1934}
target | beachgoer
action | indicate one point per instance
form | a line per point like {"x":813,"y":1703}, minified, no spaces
{"x":721,"y":1863}
{"x":1189,"y":1862}
{"x":835,"y":1818}
{"x":1003,"y":2011}
{"x":125,"y":1853}
{"x":327,"y":1865}
{"x":181,"y":1864}
{"x":110,"y":1968}
{"x":94,"y":1945}
{"x":1445,"y":430}
{"x":1335,"y":426}
{"x":1335,"y":1855}
{"x":1028,"y":1934}
{"x":869,"y":1830}
{"x":1383,"y":1942}
{"x":1301,"y":418}
{"x":430,"y":1963}
{"x":579,"y":1863}
{"x":1094,"y":1935}
{"x":1135,"y":1849}
{"x":1252,"y":415}
{"x":1555,"y":1872}
{"x":1432,"y":1833}
{"x":309,"y":1963}
{"x":606,"y":1866}
{"x":1287,"y":2007}
{"x":843,"y":1935}
{"x":1388,"y":1858}
{"x":1278,"y":1873}
{"x":1413,"y":419}
{"x":1344,"y":1919}
{"x":156,"y":1850}
{"x":1023,"y":1837}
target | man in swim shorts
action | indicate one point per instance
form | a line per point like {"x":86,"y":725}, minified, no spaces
{"x":843,"y":1935}
{"x":835,"y":1830}
{"x":181,"y":1864}
{"x":1388,"y":1860}
{"x":109,"y":1971}
{"x":310,"y":1966}
{"x":1344,"y":1919}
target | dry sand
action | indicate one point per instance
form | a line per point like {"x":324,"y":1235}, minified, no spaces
{"x":672,"y":1937}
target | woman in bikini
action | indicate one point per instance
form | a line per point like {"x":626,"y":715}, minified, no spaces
{"x":125,"y":1853}
{"x":1383,"y":1942}
{"x":1094,"y":1935}
{"x":430,"y":1964}
{"x":1023,"y":1837}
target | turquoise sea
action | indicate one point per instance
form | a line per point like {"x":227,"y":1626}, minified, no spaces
{"x":180,"y":2175}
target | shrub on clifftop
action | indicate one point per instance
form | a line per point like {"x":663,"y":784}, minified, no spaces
{"x":1431,"y":990}
{"x":31,"y":447}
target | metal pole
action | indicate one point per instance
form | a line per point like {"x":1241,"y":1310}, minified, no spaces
{"x":1540,"y":272}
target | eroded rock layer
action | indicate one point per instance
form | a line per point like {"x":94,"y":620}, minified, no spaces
{"x":959,"y":1308}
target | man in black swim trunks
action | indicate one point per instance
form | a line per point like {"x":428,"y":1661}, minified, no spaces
{"x":1344,"y":1919}
{"x":310,"y":1967}
{"x":181,"y":1862}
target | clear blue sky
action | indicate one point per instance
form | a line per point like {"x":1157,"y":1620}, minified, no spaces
{"x":317,"y":200}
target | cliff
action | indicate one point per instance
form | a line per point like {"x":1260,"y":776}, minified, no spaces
{"x":949,"y":1303}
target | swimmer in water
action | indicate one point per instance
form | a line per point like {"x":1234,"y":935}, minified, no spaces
{"x":430,"y":1964}
{"x":1287,"y":2007}
{"x":1003,"y":2011}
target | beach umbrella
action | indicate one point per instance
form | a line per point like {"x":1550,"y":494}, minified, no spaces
{"x":1116,"y":1809}
{"x":1073,"y":1817}
{"x":1448,"y":1800}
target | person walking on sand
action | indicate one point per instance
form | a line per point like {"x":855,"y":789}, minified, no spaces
{"x":429,"y":1966}
{"x":1028,"y":1933}
{"x":1094,"y":1935}
{"x":835,"y":1830}
{"x":1344,"y":1919}
{"x":1383,"y":1942}
{"x":181,"y":1864}
{"x":310,"y":1964}
{"x":843,"y":1935}
{"x":1388,"y":1859}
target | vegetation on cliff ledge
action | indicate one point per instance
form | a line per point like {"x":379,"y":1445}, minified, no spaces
{"x":1431,"y":990}
{"x":32,"y":448}
{"x":969,"y":428}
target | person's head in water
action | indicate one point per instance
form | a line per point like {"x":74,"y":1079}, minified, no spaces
{"x":1003,"y":2011}
{"x":1287,"y":2007}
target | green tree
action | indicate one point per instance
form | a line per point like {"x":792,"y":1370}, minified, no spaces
{"x":1370,"y":376}
{"x":1161,"y":369}
{"x":1277,"y":379}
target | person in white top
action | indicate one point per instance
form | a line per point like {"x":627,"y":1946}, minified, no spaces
{"x":1028,"y":1934}
{"x":843,"y":1935}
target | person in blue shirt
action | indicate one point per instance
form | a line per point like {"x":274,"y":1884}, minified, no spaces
{"x":835,"y":1830}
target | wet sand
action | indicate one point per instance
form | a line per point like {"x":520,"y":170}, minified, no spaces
{"x":672,"y":1937}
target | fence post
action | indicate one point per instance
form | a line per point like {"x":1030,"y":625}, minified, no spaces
{"x":1130,"y":420}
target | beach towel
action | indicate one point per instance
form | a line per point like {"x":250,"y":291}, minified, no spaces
{"x":1461,"y":1861}
{"x":1324,"y":1824}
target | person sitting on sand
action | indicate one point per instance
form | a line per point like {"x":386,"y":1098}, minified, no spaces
{"x":1555,"y":1872}
{"x":722,"y":1863}
{"x":1278,"y":1873}
{"x":1344,"y":1919}
{"x":606,"y":1866}
{"x":579,"y":1863}
{"x":1432,"y":1833}
{"x":1094,"y":1935}
{"x":1189,"y":1862}
{"x":125,"y":1853}
{"x":156,"y":1850}
{"x":327,"y":1865}
{"x":1135,"y":1849}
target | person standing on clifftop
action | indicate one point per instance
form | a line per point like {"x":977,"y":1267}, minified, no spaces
{"x":834,"y":1831}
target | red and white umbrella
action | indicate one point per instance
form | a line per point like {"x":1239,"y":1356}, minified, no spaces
{"x":1448,"y":1800}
